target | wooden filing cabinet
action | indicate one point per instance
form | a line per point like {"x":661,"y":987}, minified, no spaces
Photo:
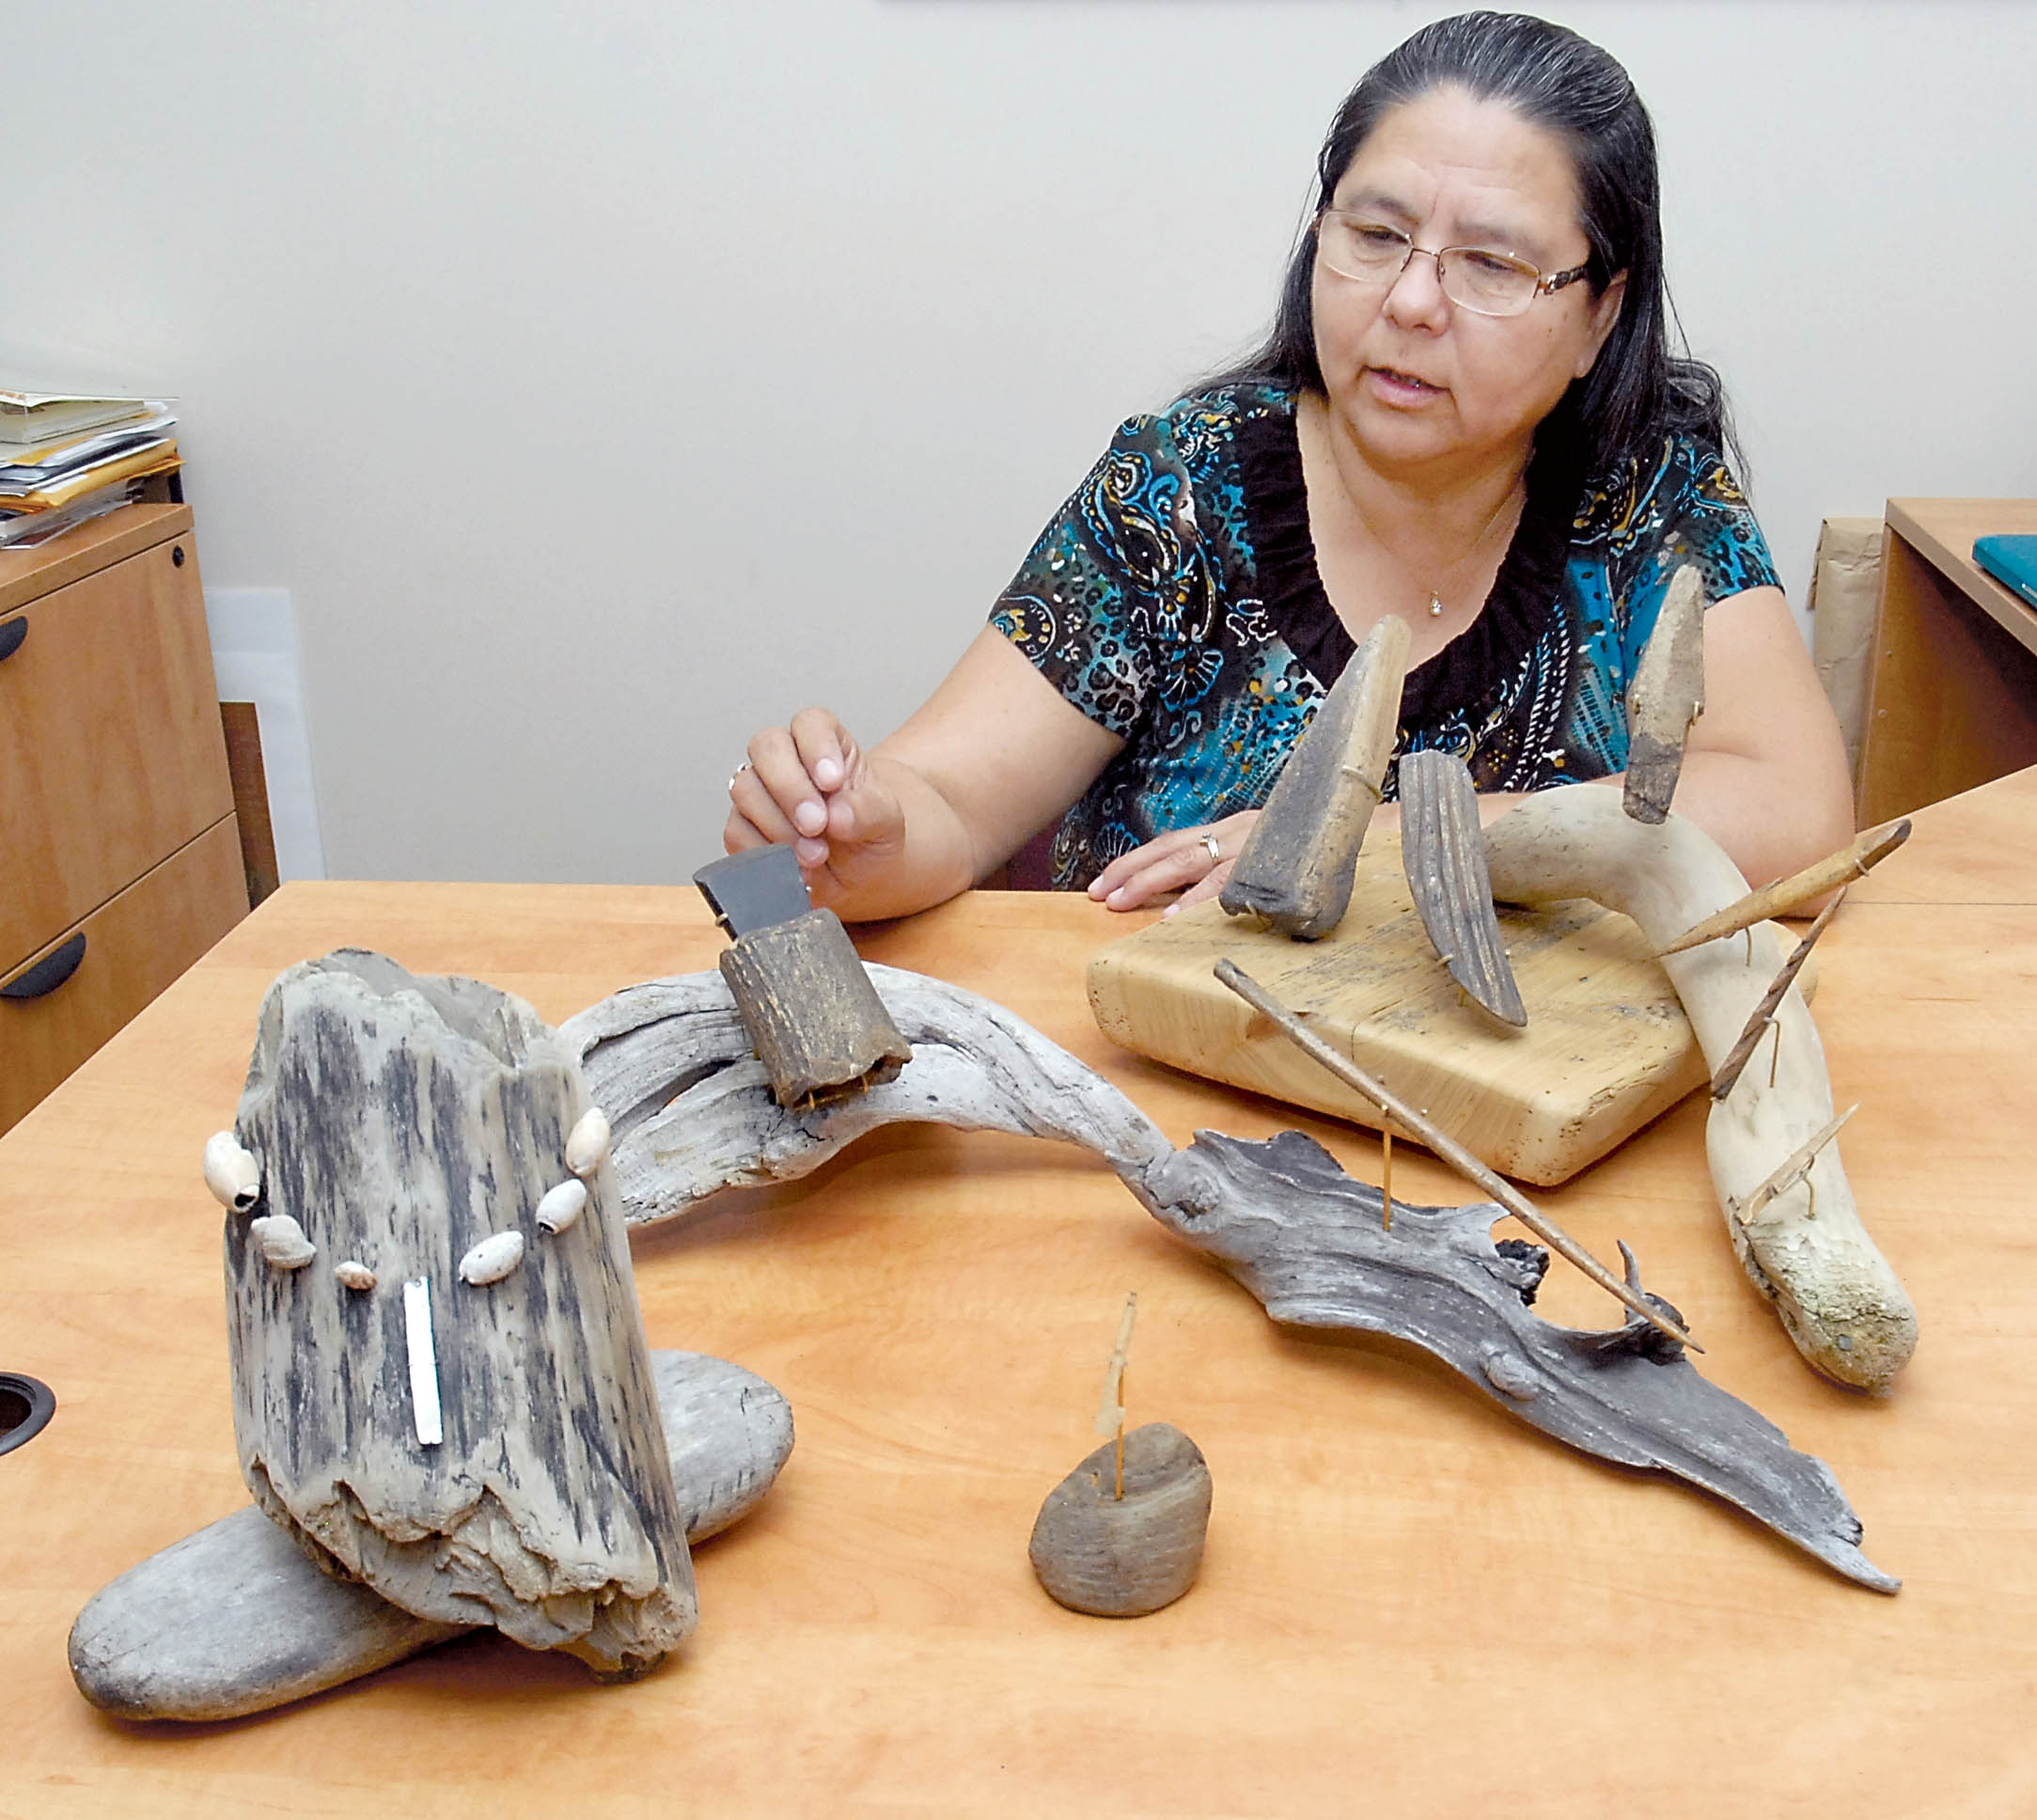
{"x":120,"y":855}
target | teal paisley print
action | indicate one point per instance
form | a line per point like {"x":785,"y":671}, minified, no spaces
{"x":1174,"y":600}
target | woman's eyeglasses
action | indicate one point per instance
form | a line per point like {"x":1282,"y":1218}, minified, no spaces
{"x":1474,"y":277}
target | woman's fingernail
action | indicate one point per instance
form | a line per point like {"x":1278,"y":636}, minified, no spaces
{"x":827,"y":773}
{"x":810,"y":818}
{"x":1168,"y":911}
{"x":809,"y":853}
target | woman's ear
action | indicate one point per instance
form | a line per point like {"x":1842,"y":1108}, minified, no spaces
{"x":1604,"y":313}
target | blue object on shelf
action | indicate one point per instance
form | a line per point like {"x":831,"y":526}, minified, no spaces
{"x":2013,"y":561}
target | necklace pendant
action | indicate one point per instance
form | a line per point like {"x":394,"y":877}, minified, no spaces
{"x":1436,"y":606}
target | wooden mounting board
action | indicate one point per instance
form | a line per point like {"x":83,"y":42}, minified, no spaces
{"x":1606,"y":1047}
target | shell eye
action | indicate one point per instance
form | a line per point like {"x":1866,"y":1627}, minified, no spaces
{"x":562,"y":1205}
{"x":495,"y":1258}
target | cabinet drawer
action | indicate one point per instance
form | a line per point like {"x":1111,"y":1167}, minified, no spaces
{"x":133,"y":946}
{"x":110,"y":755}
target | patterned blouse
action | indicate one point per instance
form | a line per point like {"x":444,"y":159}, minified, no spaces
{"x":1175,"y":599}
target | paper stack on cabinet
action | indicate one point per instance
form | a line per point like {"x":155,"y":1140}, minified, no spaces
{"x":67,"y":457}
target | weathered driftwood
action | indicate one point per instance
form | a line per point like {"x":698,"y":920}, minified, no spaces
{"x":1444,"y":857}
{"x":1666,"y":696}
{"x":1763,"y":1013}
{"x":237,"y":1619}
{"x":411,"y":1125}
{"x":1123,"y":1556}
{"x":1297,"y":863}
{"x":1311,"y":1245}
{"x":1786,"y":894}
{"x":695,"y":1115}
{"x":818,"y":1027}
{"x":1837,"y":1296}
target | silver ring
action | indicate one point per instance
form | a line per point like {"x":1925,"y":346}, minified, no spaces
{"x":737,"y":773}
{"x":1215,"y":851}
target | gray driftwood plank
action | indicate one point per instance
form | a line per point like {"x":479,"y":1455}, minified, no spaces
{"x":411,"y":1127}
{"x":1281,"y":1217}
{"x":237,"y":1617}
{"x":1443,"y":853}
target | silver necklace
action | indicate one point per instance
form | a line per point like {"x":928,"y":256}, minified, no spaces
{"x":1437,"y":607}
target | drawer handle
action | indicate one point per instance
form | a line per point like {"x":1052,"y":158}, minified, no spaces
{"x":12,"y":634}
{"x":48,"y":973}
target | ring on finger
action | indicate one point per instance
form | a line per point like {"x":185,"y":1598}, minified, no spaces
{"x":737,"y":773}
{"x":1211,"y":847}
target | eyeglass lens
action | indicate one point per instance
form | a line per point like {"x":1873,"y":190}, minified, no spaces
{"x":1494,"y":283}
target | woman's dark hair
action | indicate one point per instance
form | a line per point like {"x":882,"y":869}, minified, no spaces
{"x":1637,"y":392}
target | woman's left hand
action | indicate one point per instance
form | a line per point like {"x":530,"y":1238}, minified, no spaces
{"x":1193,"y":861}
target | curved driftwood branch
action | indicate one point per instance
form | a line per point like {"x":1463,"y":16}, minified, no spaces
{"x":692,"y":1111}
{"x":695,"y":1114}
{"x":1805,"y":1249}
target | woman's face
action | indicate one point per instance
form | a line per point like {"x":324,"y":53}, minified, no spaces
{"x":1416,"y":379}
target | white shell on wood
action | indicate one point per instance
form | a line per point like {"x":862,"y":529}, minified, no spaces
{"x":561,"y":1205}
{"x":231,"y":1172}
{"x":492,"y":1259}
{"x":586,"y":1143}
{"x":282,"y":1241}
{"x":354,"y":1273}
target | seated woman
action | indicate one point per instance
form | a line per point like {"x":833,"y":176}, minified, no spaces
{"x":1467,"y":415}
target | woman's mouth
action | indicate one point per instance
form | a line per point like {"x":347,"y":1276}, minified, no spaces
{"x":1397,"y":383}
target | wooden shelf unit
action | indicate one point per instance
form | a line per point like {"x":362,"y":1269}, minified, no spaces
{"x":1953,"y":697}
{"x":117,"y":819}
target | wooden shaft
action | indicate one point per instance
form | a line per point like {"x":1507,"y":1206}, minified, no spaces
{"x":1779,"y":900}
{"x":1447,"y":1147}
{"x":1385,"y":1173}
{"x":1737,"y":1056}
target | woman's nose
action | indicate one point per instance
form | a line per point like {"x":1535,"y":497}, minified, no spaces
{"x":1416,"y":295}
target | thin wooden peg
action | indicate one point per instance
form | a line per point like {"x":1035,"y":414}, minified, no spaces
{"x":1385,"y":1171}
{"x":1110,"y":1417}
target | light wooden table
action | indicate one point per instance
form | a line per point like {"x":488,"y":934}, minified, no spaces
{"x":1410,"y":1604}
{"x":1952,"y":683}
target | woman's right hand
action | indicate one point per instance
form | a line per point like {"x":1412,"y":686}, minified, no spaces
{"x":810,"y":787}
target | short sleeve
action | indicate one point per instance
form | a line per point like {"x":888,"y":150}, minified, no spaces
{"x":1094,"y":602}
{"x":1691,"y":509}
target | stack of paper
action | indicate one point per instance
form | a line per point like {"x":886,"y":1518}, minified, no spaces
{"x":65,"y":458}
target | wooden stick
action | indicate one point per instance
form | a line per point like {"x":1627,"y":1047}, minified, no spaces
{"x":1792,"y":1168}
{"x":1445,"y":1146}
{"x":1110,"y":1417}
{"x":1738,"y":1055}
{"x":1385,"y":1171}
{"x":1852,"y":862}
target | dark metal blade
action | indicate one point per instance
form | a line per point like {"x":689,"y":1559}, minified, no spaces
{"x":754,"y":890}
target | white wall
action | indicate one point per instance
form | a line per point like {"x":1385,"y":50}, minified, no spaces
{"x":603,"y":381}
